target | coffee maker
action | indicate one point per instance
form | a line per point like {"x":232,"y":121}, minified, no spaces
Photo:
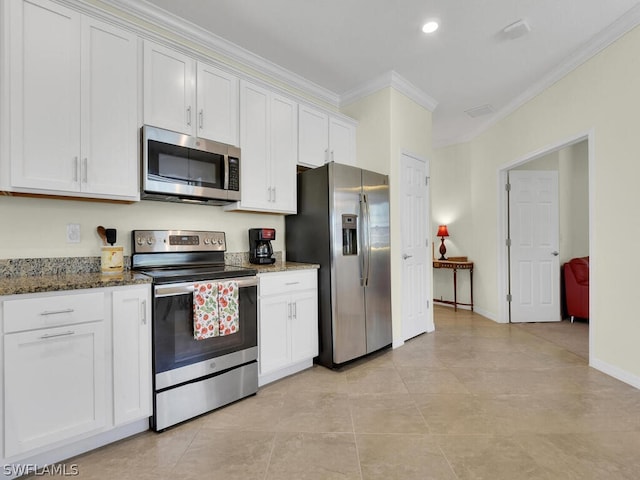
{"x":260,"y":250}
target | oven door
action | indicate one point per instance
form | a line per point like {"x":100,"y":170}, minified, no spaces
{"x":178,"y":357}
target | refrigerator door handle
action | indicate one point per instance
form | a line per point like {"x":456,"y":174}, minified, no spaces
{"x":366,"y":234}
{"x":361,"y":241}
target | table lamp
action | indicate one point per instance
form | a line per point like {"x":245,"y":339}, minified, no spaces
{"x":442,"y":232}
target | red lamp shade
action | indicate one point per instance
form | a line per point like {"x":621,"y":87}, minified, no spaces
{"x":442,"y":232}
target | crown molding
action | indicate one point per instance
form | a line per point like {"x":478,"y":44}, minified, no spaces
{"x":389,"y":79}
{"x":598,"y":43}
{"x":158,"y":17}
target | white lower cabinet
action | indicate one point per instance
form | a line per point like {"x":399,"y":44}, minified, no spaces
{"x":54,"y":385}
{"x":288,"y":323}
{"x":131,"y":355}
{"x":76,"y":368}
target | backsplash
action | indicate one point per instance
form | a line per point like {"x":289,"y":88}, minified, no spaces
{"x":21,"y":267}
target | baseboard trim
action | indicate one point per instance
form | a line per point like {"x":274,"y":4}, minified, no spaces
{"x":615,"y":372}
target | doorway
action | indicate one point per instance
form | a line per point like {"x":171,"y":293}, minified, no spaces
{"x":575,"y":163}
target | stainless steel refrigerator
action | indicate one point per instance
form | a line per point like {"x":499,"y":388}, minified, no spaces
{"x":343,"y":224}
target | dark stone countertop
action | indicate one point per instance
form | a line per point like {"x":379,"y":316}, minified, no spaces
{"x":72,"y":281}
{"x":281,"y":266}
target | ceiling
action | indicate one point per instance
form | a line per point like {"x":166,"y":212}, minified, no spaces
{"x":469,"y":62}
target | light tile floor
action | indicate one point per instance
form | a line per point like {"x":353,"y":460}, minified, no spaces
{"x":473,"y":400}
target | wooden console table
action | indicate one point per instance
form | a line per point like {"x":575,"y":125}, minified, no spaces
{"x":456,"y":265}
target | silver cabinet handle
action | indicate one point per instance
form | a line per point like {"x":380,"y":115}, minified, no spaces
{"x":189,"y":115}
{"x":332,"y":156}
{"x":405,"y":256}
{"x":144,"y":312}
{"x":292,"y":283}
{"x":295,"y":310}
{"x":326,"y":155}
{"x":54,"y":335}
{"x":57,"y":312}
{"x":201,"y":118}
{"x":84,"y":168}
{"x":274,"y":194}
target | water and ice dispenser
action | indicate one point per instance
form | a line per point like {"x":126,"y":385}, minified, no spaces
{"x":349,"y":234}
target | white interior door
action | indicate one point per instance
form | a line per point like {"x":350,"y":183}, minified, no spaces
{"x":416,"y":312}
{"x":534,"y":260}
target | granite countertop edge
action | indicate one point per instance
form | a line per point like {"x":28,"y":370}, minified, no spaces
{"x":75,"y":281}
{"x":281,"y":267}
{"x":80,"y":281}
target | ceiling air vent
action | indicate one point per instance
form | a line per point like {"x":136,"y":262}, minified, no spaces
{"x":479,"y":111}
{"x":516,"y":30}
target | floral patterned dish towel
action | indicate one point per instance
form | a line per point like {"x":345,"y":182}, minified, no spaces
{"x":205,"y":311}
{"x":228,"y":308}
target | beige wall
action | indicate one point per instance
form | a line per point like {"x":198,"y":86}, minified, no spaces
{"x":451,"y":206}
{"x":390,"y":123}
{"x":601,"y":97}
{"x":32,"y":227}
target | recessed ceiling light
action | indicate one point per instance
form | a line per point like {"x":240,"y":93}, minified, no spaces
{"x":430,"y":27}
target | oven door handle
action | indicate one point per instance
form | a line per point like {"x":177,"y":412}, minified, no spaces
{"x":187,"y":287}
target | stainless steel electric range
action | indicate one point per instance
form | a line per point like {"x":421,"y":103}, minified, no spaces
{"x":191,"y":376}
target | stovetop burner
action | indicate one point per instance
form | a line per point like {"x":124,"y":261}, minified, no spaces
{"x":172,"y":256}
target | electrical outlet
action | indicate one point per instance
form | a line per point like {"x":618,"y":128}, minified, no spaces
{"x":73,"y":233}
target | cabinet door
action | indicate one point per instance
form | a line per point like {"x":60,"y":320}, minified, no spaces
{"x":109,"y":159}
{"x":218,"y":104}
{"x":273,"y":331}
{"x":255,"y":145}
{"x":131,"y":354}
{"x":313,"y":137}
{"x":284,"y":142}
{"x":304,"y":326}
{"x":342,"y":142}
{"x":169,"y":89}
{"x":54,"y":385}
{"x":45,"y":96}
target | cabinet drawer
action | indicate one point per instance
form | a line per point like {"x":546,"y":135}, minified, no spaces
{"x":286,"y":282}
{"x":51,"y":311}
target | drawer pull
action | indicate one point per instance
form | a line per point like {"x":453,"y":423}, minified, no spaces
{"x":292,"y":283}
{"x":56,"y":312}
{"x":54,"y":335}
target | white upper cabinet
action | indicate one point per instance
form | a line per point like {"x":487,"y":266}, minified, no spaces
{"x":72,"y":93}
{"x":324,"y":138}
{"x":342,"y":141}
{"x":190,"y":97}
{"x":218,"y":104}
{"x":313,"y":137}
{"x":268,"y":140}
{"x":169,"y":89}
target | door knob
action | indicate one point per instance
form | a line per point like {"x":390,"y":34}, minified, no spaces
{"x":405,"y":256}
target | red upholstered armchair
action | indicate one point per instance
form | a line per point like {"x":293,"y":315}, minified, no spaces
{"x":576,"y":287}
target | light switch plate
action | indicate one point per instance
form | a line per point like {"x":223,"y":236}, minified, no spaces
{"x":73,"y":233}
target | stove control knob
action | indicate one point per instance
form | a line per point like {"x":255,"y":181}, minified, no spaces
{"x":139,"y":240}
{"x":149,"y":240}
{"x":207,"y":241}
{"x":220,"y":242}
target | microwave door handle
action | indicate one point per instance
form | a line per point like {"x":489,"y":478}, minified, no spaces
{"x":226,"y":172}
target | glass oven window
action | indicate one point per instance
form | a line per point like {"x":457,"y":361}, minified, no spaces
{"x":173,"y":163}
{"x":174,"y":344}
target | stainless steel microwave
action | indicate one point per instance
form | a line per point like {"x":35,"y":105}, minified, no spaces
{"x":181,"y":168}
